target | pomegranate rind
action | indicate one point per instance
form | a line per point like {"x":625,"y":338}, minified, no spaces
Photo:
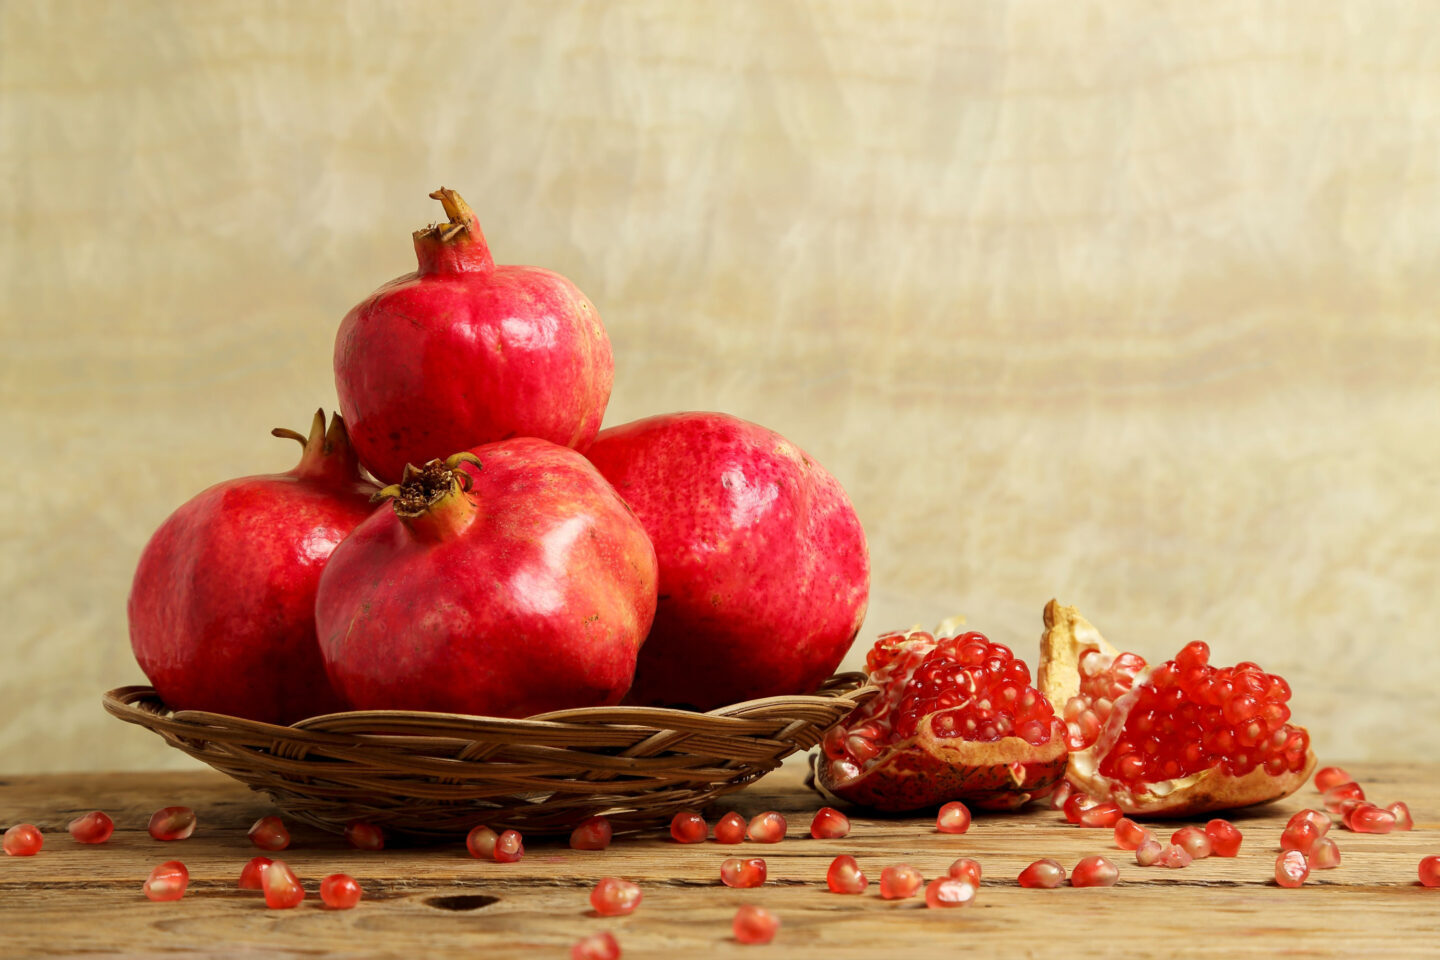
{"x":1066,"y":638}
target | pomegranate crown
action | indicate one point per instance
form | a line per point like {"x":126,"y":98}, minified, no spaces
{"x":325,"y":452}
{"x":421,"y":488}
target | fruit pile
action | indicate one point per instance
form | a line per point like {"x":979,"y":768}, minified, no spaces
{"x":513,"y":558}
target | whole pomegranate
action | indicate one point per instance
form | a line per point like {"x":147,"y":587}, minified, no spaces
{"x":1177,"y":739}
{"x":956,"y":719}
{"x":222,"y":608}
{"x":764,"y":572}
{"x":505,"y":581}
{"x":463,"y":352}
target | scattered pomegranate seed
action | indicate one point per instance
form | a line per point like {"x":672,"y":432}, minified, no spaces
{"x":167,"y":881}
{"x":742,"y":872}
{"x":1045,"y":874}
{"x":1368,"y":818}
{"x":1316,"y":818}
{"x":339,"y":891}
{"x":1149,"y":851}
{"x":687,"y":826}
{"x":829,"y":824}
{"x":845,"y":876}
{"x":94,"y":827}
{"x":1337,"y":795}
{"x":767,"y":827}
{"x":594,"y":833}
{"x":730,"y":828}
{"x":1094,"y":872}
{"x":949,"y":892}
{"x":1174,"y":856}
{"x":613,"y":897}
{"x":1129,"y":834}
{"x":481,"y":843}
{"x":1195,"y":841}
{"x":1299,"y":835}
{"x":1430,"y":871}
{"x":1328,"y":777}
{"x":269,"y":833}
{"x":1325,"y":855}
{"x":965,"y":869}
{"x":1060,"y":794}
{"x":1291,"y":868}
{"x":1105,"y":814}
{"x":754,"y":924}
{"x":1400,"y":812}
{"x":23,"y":840}
{"x":597,"y":946}
{"x":364,"y":836}
{"x":172,"y":823}
{"x":282,"y":888}
{"x":954,"y":817}
{"x":901,"y":881}
{"x":252,"y":873}
{"x":509,"y":847}
{"x":1224,"y":837}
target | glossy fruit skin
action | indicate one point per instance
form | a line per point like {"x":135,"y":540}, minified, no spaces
{"x":222,"y":607}
{"x":463,"y":352}
{"x":94,"y":827}
{"x":339,"y":891}
{"x":764,"y":570}
{"x":556,"y":595}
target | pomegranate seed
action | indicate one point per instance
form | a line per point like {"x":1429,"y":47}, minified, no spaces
{"x":949,"y":892}
{"x":282,"y":888}
{"x":1299,"y":835}
{"x":23,"y":840}
{"x":1291,"y":868}
{"x":1368,"y":818}
{"x":1401,"y":813}
{"x":1195,"y":841}
{"x":509,"y":847}
{"x":1430,"y":871}
{"x":1337,"y":795}
{"x":252,"y":872}
{"x":1328,"y":777}
{"x":172,"y":823}
{"x":167,"y":881}
{"x":1045,"y":874}
{"x":687,"y":826}
{"x":954,"y":817}
{"x":1224,"y":837}
{"x":594,"y":833}
{"x":92,"y":828}
{"x":597,"y":946}
{"x":901,"y":881}
{"x":613,"y":897}
{"x":339,"y":891}
{"x":1094,"y":872}
{"x":1129,"y":834}
{"x":364,"y":836}
{"x":742,"y":872}
{"x":965,"y":869}
{"x":845,"y":876}
{"x":1060,"y":794}
{"x":269,"y":833}
{"x":1077,"y":804}
{"x":1148,"y":853}
{"x":754,"y":924}
{"x":1316,"y":818}
{"x":1174,"y":856}
{"x":730,"y":828}
{"x":1325,"y":855}
{"x":767,"y":827}
{"x":1101,"y":815}
{"x":481,"y":843}
{"x":829,"y":824}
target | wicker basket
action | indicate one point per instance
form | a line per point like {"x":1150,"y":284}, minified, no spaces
{"x":436,"y":775}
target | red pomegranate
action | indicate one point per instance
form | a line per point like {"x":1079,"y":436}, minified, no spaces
{"x":956,"y":719}
{"x":1178,"y":739}
{"x":506,"y":581}
{"x":222,"y":609}
{"x":463,"y":352}
{"x":764,"y":572}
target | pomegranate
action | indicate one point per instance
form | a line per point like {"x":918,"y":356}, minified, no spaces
{"x":222,"y":608}
{"x":509,"y":847}
{"x":613,"y":897}
{"x":480,"y":842}
{"x":1327,"y":777}
{"x":1430,"y":871}
{"x":730,"y":828}
{"x":167,"y":882}
{"x":965,"y":868}
{"x":593,"y":833}
{"x":1129,"y":834}
{"x":597,"y":946}
{"x":1094,"y":872}
{"x":281,"y":886}
{"x":901,"y":881}
{"x":94,"y":827}
{"x":687,"y":826}
{"x":742,"y":872}
{"x":1173,"y":856}
{"x":269,"y":833}
{"x":829,"y":824}
{"x":1195,"y":841}
{"x":1043,"y":874}
{"x":1399,"y":810}
{"x":364,"y":836}
{"x":1179,"y":738}
{"x":23,"y":840}
{"x":339,"y":891}
{"x":954,"y":817}
{"x":956,"y":718}
{"x":949,"y":892}
{"x":1225,"y":838}
{"x":1150,"y":851}
{"x":172,"y":823}
{"x":1291,"y":868}
{"x":252,"y":872}
{"x":463,"y":352}
{"x":767,"y":827}
{"x":845,"y":876}
{"x":1325,"y":855}
{"x":557,"y":593}
{"x":754,"y":924}
{"x":764,"y":572}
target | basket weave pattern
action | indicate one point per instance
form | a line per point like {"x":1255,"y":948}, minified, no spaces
{"x":436,"y":775}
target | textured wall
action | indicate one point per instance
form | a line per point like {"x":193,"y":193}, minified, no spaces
{"x":1133,"y":304}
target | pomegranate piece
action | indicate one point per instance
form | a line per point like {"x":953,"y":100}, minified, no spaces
{"x":1337,"y":795}
{"x":167,"y":881}
{"x":829,"y":824}
{"x":1105,"y":814}
{"x":94,"y":827}
{"x":1181,"y":737}
{"x":509,"y":847}
{"x":730,"y":828}
{"x":282,"y":888}
{"x":364,"y":836}
{"x":742,"y":872}
{"x":1291,"y":868}
{"x":1225,"y":838}
{"x":1195,"y":841}
{"x":965,"y":869}
{"x":269,"y":833}
{"x":613,"y":897}
{"x":23,"y":840}
{"x":1328,"y":777}
{"x":481,"y":842}
{"x":845,"y":876}
{"x":1044,"y":874}
{"x":339,"y":891}
{"x":1094,"y":872}
{"x":1174,"y":856}
{"x":1325,"y":855}
{"x":949,"y":892}
{"x":252,"y":874}
{"x":172,"y":823}
{"x":239,"y":638}
{"x":1129,"y":834}
{"x":754,"y":924}
{"x":1368,"y":818}
{"x":1430,"y":871}
{"x":597,"y":946}
{"x":902,"y":880}
{"x":1149,"y":852}
{"x":954,"y":817}
{"x":594,"y":833}
{"x":1401,"y":812}
{"x":767,"y":827}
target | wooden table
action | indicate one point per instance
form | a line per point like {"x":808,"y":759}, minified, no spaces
{"x":73,"y":900}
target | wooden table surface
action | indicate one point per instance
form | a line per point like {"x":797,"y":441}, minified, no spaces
{"x":74,"y":900}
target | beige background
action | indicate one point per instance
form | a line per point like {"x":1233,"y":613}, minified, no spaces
{"x":1129,"y":303}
